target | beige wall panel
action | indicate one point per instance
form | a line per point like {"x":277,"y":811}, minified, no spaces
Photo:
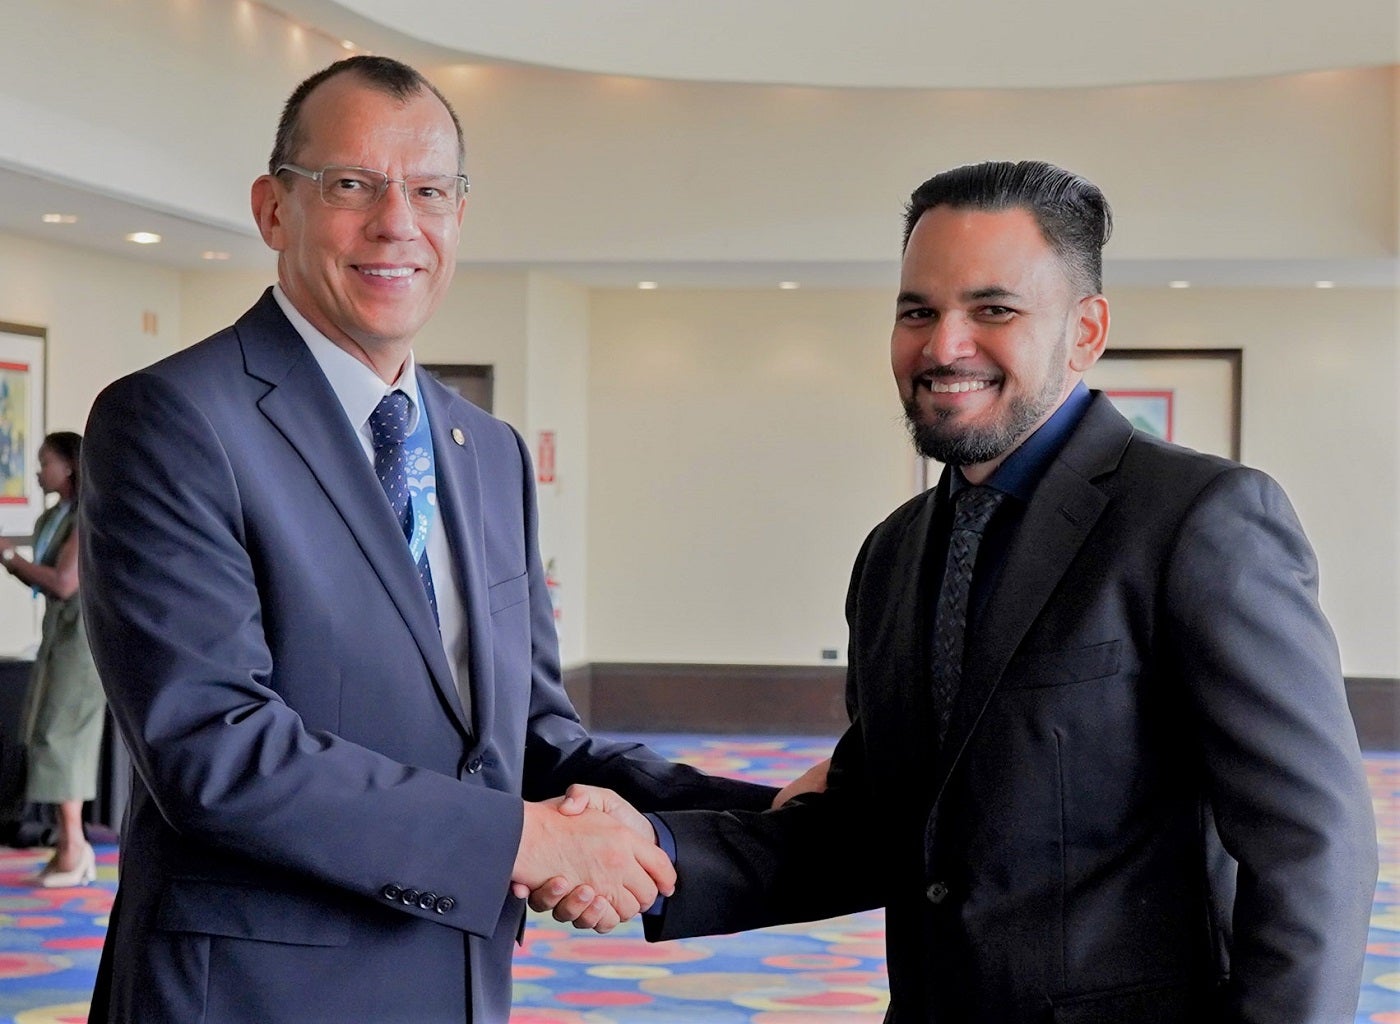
{"x":741,"y":445}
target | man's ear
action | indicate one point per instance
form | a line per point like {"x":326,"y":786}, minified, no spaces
{"x":1092,"y":334}
{"x":267,"y":199}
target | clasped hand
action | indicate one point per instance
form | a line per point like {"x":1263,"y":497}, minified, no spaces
{"x":585,"y":899}
{"x":591,"y":858}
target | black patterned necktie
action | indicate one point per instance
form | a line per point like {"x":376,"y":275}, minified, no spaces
{"x":389,"y":429}
{"x":973,"y":508}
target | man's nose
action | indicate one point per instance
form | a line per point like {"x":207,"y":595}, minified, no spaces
{"x":393,"y":215}
{"x":950,"y":339}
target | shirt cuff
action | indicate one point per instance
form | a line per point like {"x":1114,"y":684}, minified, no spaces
{"x":667,"y":841}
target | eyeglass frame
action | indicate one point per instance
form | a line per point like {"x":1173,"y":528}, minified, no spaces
{"x":319,"y":178}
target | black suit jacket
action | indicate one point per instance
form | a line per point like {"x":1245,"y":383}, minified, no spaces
{"x":1150,"y":806}
{"x":317,"y":831}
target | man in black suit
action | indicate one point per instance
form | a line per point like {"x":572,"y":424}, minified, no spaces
{"x":1142,"y":801}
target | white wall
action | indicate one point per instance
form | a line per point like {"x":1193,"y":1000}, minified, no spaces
{"x":92,"y":307}
{"x":741,"y":444}
{"x":557,"y":389}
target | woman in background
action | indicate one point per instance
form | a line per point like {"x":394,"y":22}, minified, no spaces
{"x":63,"y":710}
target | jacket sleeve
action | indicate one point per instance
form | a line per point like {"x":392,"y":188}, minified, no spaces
{"x":1284,"y":771}
{"x":819,"y":856}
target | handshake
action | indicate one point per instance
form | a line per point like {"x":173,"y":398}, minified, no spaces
{"x":592,"y":858}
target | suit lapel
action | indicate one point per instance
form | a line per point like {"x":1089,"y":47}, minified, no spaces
{"x":302,"y":406}
{"x":460,"y":510}
{"x":1062,"y":512}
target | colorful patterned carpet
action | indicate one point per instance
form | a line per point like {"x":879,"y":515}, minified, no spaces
{"x":831,"y":972}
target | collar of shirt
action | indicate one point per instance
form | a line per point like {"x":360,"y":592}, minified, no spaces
{"x":358,"y":388}
{"x":1024,"y":467}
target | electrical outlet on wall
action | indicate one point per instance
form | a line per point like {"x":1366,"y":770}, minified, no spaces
{"x":830,"y":654}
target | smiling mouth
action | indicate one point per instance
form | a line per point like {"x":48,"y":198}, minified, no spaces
{"x":386,"y":271}
{"x":952,"y":387}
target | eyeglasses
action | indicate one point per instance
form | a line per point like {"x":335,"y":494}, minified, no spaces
{"x":359,"y":188}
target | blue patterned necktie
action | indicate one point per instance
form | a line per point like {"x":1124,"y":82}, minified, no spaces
{"x":389,"y":426}
{"x":973,"y":508}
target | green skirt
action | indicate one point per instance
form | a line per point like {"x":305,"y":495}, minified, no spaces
{"x":63,"y":711}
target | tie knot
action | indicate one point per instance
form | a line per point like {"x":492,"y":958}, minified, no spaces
{"x":975,"y":507}
{"x":388,"y":424}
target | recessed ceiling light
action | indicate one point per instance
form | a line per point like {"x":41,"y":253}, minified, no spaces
{"x":1325,"y":284}
{"x":346,"y":44}
{"x":143,"y":237}
{"x":210,"y":254}
{"x":60,"y":218}
{"x":646,"y":286}
{"x":788,"y":286}
{"x":1178,"y":284}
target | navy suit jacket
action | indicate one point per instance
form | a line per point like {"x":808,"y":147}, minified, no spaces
{"x":317,"y":832}
{"x":1150,"y":807}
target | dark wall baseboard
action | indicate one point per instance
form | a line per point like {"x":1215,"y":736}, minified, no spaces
{"x":810,"y":700}
{"x":1375,"y":707}
{"x":793,"y":700}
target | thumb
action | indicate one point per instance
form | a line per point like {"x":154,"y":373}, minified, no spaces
{"x":579,"y":798}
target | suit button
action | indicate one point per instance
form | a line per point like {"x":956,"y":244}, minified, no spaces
{"x":427,"y":901}
{"x":391,"y":891}
{"x":444,"y":904}
{"x":409,"y":897}
{"x":474,"y":766}
{"x":937,"y":892}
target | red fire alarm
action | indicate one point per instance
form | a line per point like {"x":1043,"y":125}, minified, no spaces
{"x":544,"y":457}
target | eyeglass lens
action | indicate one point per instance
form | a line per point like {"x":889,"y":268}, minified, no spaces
{"x":358,"y":188}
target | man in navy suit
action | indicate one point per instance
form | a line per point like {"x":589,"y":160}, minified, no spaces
{"x":329,"y":646}
{"x":1135,"y":795}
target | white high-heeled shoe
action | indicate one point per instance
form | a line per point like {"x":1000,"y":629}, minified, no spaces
{"x":83,"y":874}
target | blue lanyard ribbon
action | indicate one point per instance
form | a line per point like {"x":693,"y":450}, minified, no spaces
{"x":422,"y":482}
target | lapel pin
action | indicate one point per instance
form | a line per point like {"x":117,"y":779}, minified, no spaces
{"x":458,"y":436}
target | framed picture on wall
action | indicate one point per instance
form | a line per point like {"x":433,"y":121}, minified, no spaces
{"x":22,"y":351}
{"x":1190,"y":396}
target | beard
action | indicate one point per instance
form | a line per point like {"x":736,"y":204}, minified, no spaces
{"x":942,"y":439}
{"x":939,"y":436}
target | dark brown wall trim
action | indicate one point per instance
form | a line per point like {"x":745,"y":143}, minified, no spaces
{"x":801,"y":700}
{"x":793,"y":700}
{"x":1375,"y":708}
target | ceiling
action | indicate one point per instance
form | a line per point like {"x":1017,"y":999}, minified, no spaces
{"x":990,"y":44}
{"x":916,"y":44}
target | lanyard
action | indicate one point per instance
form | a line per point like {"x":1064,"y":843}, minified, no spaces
{"x":422,"y":482}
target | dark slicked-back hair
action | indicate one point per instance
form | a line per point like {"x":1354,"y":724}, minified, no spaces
{"x":68,"y":446}
{"x":383,"y":73}
{"x":1072,"y":213}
